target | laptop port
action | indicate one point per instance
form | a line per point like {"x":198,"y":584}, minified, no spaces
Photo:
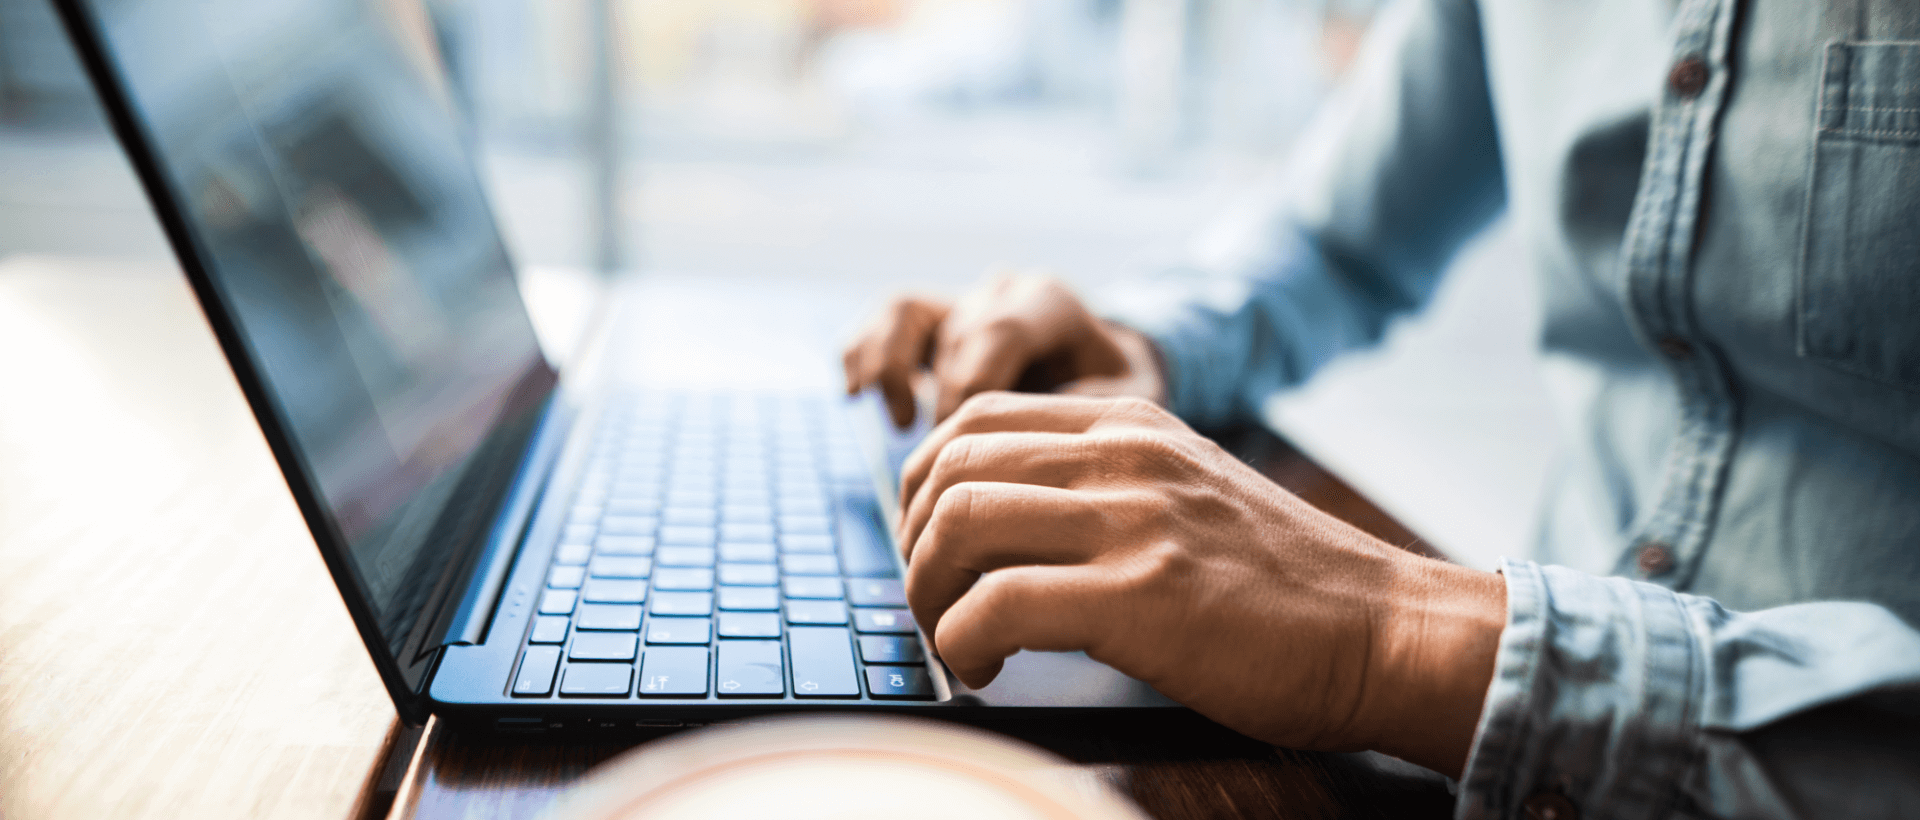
{"x":520,"y":725}
{"x":655,"y":723}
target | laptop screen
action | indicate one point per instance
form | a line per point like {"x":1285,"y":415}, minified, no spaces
{"x":333,"y":209}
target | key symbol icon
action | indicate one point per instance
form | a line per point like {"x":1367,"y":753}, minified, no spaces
{"x":883,"y":619}
{"x":896,"y":680}
{"x":656,"y":683}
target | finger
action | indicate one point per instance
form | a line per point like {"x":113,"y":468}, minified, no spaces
{"x":866,"y":365}
{"x":1041,"y":459}
{"x":977,"y":362}
{"x":890,"y":352}
{"x":997,"y":412}
{"x":980,"y":527}
{"x":1042,"y":608}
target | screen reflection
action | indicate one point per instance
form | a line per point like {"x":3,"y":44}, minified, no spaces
{"x":337,"y":212}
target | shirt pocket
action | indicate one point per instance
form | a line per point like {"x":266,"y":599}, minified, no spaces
{"x":1859,"y":285}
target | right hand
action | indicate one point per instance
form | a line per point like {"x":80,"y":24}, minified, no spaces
{"x":1014,"y":331}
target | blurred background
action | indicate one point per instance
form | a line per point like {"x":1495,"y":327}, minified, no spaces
{"x":880,"y":140}
{"x":875,"y":145}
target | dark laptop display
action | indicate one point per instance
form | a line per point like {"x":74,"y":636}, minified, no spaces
{"x":339,"y":222}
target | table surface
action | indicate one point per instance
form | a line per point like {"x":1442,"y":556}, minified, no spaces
{"x":171,"y":645}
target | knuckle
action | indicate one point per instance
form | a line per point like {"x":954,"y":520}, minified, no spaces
{"x":955,"y":506}
{"x":954,"y":457}
{"x":980,"y":405}
{"x":1151,"y":568}
{"x":999,"y":595}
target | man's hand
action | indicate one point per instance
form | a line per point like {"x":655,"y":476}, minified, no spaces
{"x":1014,"y":331}
{"x":1058,"y":524}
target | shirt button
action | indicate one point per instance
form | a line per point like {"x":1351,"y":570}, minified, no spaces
{"x":1688,"y":77}
{"x":1655,"y":558}
{"x":1549,"y":806}
{"x":1674,"y":347}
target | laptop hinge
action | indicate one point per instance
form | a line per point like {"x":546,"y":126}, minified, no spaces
{"x":465,"y":618}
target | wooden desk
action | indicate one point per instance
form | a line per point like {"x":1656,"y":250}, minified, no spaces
{"x":171,"y":646}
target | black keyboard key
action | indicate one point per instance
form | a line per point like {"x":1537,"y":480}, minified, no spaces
{"x":628,"y":525}
{"x":734,"y":512}
{"x":684,"y":556}
{"x":609,"y":566}
{"x":679,"y":630}
{"x":566,"y":577}
{"x":674,"y":672}
{"x":804,"y":586}
{"x":813,"y":504}
{"x":614,"y":591}
{"x":806,"y":544}
{"x":637,"y":500}
{"x":751,"y":669}
{"x":557,"y":601}
{"x":597,"y":680}
{"x":864,"y":548}
{"x":886,"y":621}
{"x":536,"y":671}
{"x":690,"y":497}
{"x":748,"y":575}
{"x":876,"y":592}
{"x":682,"y":603}
{"x":746,"y":532}
{"x":750,"y":598}
{"x":689,"y":536}
{"x":805,"y":525}
{"x":689,"y":517}
{"x":742,"y":496}
{"x":816,"y":612}
{"x":683,"y":579}
{"x":608,"y":616}
{"x":890,"y":649}
{"x":899,"y":683}
{"x":749,"y":624}
{"x":822,"y":662}
{"x":623,"y":545}
{"x":747,"y":553}
{"x":809,"y":565}
{"x":604,"y":646}
{"x":549,"y":629}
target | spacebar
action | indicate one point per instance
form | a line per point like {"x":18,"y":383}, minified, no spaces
{"x":822,"y":662}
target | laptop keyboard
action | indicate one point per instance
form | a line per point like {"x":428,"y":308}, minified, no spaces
{"x":723,"y":547}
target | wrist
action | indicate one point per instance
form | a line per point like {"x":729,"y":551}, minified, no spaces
{"x":1432,"y":661}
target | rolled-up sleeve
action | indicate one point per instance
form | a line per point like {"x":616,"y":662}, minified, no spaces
{"x":1397,"y":172}
{"x":1613,"y":698}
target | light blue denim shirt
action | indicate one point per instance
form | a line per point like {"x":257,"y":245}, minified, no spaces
{"x":1721,"y":201}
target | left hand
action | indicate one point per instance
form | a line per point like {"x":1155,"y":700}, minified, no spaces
{"x":1057,"y":524}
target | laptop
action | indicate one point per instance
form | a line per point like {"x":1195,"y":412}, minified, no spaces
{"x":524,"y":547}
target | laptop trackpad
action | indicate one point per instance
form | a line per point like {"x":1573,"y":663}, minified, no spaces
{"x":1061,"y":679}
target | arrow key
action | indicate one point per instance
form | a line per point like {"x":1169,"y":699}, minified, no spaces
{"x":899,"y":682}
{"x":750,"y":669}
{"x":822,"y":662}
{"x":673,"y":672}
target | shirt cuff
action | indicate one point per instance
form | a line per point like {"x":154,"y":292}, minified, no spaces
{"x":1595,"y":700}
